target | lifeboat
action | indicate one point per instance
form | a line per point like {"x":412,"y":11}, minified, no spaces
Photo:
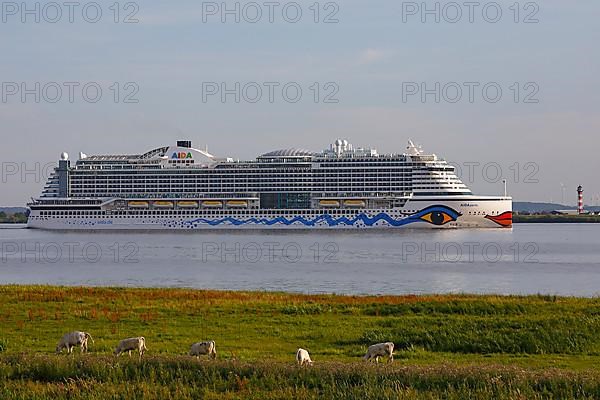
{"x":212,"y":203}
{"x":138,"y":204}
{"x":329,"y":203}
{"x":237,"y":204}
{"x":355,"y":203}
{"x":187,"y":204}
{"x":162,"y":204}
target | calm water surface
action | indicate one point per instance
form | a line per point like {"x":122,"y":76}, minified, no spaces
{"x":561,"y":259}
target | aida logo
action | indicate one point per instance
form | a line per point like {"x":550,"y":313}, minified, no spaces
{"x":181,"y":155}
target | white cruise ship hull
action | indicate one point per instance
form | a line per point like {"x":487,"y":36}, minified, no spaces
{"x":464,"y":212}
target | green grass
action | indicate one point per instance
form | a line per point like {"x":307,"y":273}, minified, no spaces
{"x":451,"y":347}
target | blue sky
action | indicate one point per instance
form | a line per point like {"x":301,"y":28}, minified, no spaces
{"x":369,"y":54}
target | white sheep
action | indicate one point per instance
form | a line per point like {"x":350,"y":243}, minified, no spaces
{"x":200,"y":348}
{"x":72,"y":339}
{"x":302,"y":357}
{"x":380,"y":350}
{"x":136,"y":343}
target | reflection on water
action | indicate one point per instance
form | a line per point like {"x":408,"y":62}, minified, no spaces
{"x":532,"y":258}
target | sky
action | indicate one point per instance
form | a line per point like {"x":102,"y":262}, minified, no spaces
{"x":502,"y":90}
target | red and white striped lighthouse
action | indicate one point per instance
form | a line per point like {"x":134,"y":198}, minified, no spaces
{"x":579,"y":200}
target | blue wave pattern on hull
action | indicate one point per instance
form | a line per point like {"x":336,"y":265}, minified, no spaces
{"x":331,"y":221}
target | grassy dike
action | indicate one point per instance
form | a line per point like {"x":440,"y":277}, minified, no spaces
{"x":450,"y":347}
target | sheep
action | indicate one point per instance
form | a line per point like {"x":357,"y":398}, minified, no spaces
{"x":136,"y":343}
{"x":303,"y":358}
{"x":204,"y":348}
{"x":72,"y":339}
{"x":380,"y":350}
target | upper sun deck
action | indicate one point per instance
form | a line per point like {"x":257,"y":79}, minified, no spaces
{"x":184,"y":155}
{"x":157,"y":153}
{"x":342,"y":150}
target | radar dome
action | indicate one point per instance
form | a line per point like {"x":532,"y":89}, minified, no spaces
{"x":64,"y":156}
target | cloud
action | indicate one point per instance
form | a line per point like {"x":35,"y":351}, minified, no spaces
{"x":371,"y":56}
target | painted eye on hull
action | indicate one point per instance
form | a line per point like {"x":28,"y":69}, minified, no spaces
{"x":437,"y":215}
{"x":437,"y":218}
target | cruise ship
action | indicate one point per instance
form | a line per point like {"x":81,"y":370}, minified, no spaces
{"x":180,"y":187}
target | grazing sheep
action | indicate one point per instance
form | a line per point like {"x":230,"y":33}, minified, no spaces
{"x":302,"y":357}
{"x":380,"y":350}
{"x":204,"y":348}
{"x":72,"y":339}
{"x":137,"y":343}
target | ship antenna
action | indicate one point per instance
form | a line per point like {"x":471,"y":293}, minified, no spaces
{"x":412,"y":149}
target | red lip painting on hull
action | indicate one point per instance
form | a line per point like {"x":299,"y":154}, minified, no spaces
{"x":504,"y":219}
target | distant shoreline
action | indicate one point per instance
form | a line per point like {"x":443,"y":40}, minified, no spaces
{"x":556,"y":219}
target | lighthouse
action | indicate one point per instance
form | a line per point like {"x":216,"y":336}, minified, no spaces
{"x":579,"y":199}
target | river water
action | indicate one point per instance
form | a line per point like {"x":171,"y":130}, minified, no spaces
{"x":561,"y":259}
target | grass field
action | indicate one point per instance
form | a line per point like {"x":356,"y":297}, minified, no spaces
{"x":450,"y":347}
